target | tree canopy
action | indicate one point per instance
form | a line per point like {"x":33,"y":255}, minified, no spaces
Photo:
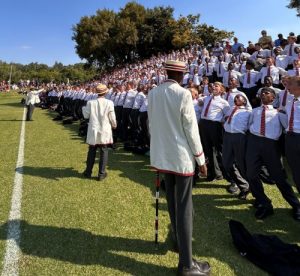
{"x":109,"y":38}
{"x":79,"y":72}
{"x":295,"y":4}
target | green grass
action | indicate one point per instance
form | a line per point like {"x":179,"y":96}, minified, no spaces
{"x":74,"y":226}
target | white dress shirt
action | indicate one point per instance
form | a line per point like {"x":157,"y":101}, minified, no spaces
{"x":296,"y":125}
{"x":274,"y":121}
{"x":234,"y":74}
{"x":275,"y":72}
{"x":220,"y":68}
{"x":239,"y":121}
{"x":254,"y":78}
{"x":229,"y":97}
{"x":129,"y":98}
{"x":217,"y":109}
{"x":139,"y":99}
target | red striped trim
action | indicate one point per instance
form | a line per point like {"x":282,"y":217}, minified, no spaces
{"x":176,"y":173}
{"x":198,"y":154}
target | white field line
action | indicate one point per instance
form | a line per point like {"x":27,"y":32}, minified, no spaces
{"x":12,"y":252}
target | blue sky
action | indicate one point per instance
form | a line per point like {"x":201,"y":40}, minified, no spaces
{"x":41,"y":30}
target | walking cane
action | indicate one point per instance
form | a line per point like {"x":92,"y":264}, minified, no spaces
{"x":156,"y":208}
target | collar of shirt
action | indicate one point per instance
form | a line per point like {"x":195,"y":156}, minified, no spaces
{"x":268,"y":106}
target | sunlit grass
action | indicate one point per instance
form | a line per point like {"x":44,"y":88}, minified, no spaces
{"x":74,"y":226}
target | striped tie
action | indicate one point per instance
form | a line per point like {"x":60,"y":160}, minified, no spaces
{"x":232,"y":113}
{"x":291,"y":121}
{"x":207,"y":107}
{"x":263,"y":121}
{"x":284,"y":98}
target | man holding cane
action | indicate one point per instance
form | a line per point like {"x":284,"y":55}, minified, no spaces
{"x":175,"y":145}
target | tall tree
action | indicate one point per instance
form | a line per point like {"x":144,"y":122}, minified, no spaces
{"x":109,"y":38}
{"x":295,"y":4}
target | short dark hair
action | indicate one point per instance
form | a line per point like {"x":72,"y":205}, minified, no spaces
{"x":268,"y":89}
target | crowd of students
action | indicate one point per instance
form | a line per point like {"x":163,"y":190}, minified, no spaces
{"x":242,"y":102}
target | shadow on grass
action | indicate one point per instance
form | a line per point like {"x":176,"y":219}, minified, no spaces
{"x":11,"y":120}
{"x":81,"y":247}
{"x":134,"y":167}
{"x":51,"y":172}
{"x":13,"y":104}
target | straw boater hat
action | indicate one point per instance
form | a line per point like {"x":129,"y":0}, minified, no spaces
{"x":174,"y":65}
{"x":101,"y":89}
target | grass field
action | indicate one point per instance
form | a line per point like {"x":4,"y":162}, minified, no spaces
{"x":74,"y":226}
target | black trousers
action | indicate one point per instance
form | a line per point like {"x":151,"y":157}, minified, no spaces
{"x":233,"y":156}
{"x":144,"y":135}
{"x":212,"y":139}
{"x":30,"y":109}
{"x":91,"y":156}
{"x":118,"y":110}
{"x":180,"y":207}
{"x":134,"y":117}
{"x":126,"y":122}
{"x":292,"y":153}
{"x":260,"y":151}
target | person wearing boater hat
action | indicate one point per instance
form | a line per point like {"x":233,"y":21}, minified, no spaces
{"x":102,"y":119}
{"x":174,"y":146}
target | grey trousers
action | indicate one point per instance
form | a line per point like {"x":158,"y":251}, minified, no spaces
{"x":180,"y":206}
{"x":292,"y":152}
{"x":29,"y":113}
{"x":260,"y":151}
{"x":91,"y":156}
{"x":233,"y":157}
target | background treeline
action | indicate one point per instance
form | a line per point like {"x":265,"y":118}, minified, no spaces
{"x":109,"y":38}
{"x":59,"y":73}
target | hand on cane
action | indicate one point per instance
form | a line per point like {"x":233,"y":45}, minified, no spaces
{"x":203,"y":170}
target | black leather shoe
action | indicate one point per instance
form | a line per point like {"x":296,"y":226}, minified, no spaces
{"x":233,"y":189}
{"x":243,"y":195}
{"x":101,"y":176}
{"x":86,"y":175}
{"x":263,"y":212}
{"x":296,"y":214}
{"x":197,"y":269}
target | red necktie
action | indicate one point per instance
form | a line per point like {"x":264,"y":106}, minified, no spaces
{"x":227,"y":96}
{"x":284,"y":98}
{"x":248,"y":77}
{"x":229,"y":77}
{"x":263,"y":121}
{"x":207,"y":107}
{"x":269,"y":71}
{"x":291,"y":50}
{"x":291,"y":121}
{"x":232,"y":113}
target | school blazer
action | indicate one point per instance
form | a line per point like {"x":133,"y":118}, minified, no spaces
{"x":102,"y":119}
{"x":175,"y":142}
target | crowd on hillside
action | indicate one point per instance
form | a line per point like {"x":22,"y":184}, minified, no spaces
{"x":228,"y":84}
